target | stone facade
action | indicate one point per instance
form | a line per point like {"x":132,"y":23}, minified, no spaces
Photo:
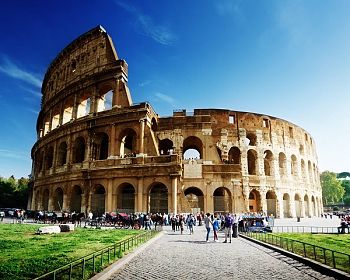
{"x":98,"y":151}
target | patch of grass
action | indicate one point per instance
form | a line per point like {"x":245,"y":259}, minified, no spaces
{"x":25,"y":255}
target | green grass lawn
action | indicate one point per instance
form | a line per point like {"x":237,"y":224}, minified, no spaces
{"x":25,"y":255}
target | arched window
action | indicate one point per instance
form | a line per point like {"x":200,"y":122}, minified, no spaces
{"x":79,"y":150}
{"x":128,"y":143}
{"x":84,"y":106}
{"x":158,"y":198}
{"x":67,"y":111}
{"x":58,"y":200}
{"x":234,"y":155}
{"x":192,"y":148}
{"x":222,"y":200}
{"x":252,"y":166}
{"x":104,"y":102}
{"x":282,"y":163}
{"x":62,"y":154}
{"x":126,"y":198}
{"x":100,"y":147}
{"x":294,"y":165}
{"x":98,"y":201}
{"x":268,"y":163}
{"x":251,"y":139}
{"x":49,"y":158}
{"x":166,"y":147}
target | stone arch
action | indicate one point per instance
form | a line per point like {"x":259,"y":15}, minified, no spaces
{"x":301,"y":149}
{"x":128,"y":140}
{"x":250,"y":139}
{"x":254,"y":201}
{"x":68,"y":110}
{"x":39,"y":159}
{"x":294,"y":165}
{"x":313,"y":206}
{"x":195,"y":198}
{"x":297,"y":205}
{"x":268,"y":163}
{"x":271,"y":201}
{"x":126,"y":198}
{"x":252,"y":162}
{"x":105,"y":99}
{"x":55,"y":120}
{"x":234,"y":155}
{"x":166,"y":147}
{"x":100,"y":146}
{"x":49,"y":158}
{"x":307,"y":206}
{"x":158,"y":198}
{"x":75,"y":199}
{"x":98,"y":200}
{"x":222,"y":200}
{"x":282,"y":163}
{"x":84,"y":105}
{"x":58,"y":199}
{"x":79,"y":150}
{"x":192,"y":147}
{"x":286,"y":206}
{"x":309,"y":169}
{"x":62,"y":154}
{"x":45,"y":200}
{"x":302,"y":167}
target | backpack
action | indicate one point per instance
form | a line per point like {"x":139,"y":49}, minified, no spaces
{"x":228,"y":221}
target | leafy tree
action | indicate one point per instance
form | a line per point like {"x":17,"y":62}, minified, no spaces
{"x":347,"y":200}
{"x":13,"y":193}
{"x":346,"y":186}
{"x":332,"y":189}
{"x":343,"y":174}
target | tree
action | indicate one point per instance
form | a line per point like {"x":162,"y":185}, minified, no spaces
{"x":13,"y":193}
{"x":346,"y":186}
{"x":332,"y":189}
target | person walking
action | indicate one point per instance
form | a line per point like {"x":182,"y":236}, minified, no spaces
{"x":228,"y":227}
{"x":207,"y":223}
{"x":190,"y":223}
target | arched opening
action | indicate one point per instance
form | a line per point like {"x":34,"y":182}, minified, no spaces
{"x":297,"y":205}
{"x":49,"y":158}
{"x":100,"y":147}
{"x":192,"y":148}
{"x":268,"y":163}
{"x":286,"y":204}
{"x":98,"y":201}
{"x":234,"y":155}
{"x":222,"y":200}
{"x":75,"y":203}
{"x":58,"y":200}
{"x":310,"y":171}
{"x":306,"y":206}
{"x":282,"y":163}
{"x":37,"y":200}
{"x":128,"y":143}
{"x":154,"y":124}
{"x":294,"y":165}
{"x":166,"y":147}
{"x":313,"y":206}
{"x":195,"y":199}
{"x":84,"y":106}
{"x":302,"y":167}
{"x":62,"y":154}
{"x":45,"y":202}
{"x":46,"y":125}
{"x":251,"y":139}
{"x":271,"y":201}
{"x":301,"y":149}
{"x":126,"y":198}
{"x":254,"y":201}
{"x":104,"y":101}
{"x":158,"y":198}
{"x":39,"y":157}
{"x":79,"y":150}
{"x":252,"y":157}
{"x":68,"y":111}
{"x":55,"y":121}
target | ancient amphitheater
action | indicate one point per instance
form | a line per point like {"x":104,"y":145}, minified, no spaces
{"x":98,"y":151}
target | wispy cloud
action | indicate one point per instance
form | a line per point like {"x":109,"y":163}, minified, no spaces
{"x":147,"y":26}
{"x":35,"y":93}
{"x":165,"y":98}
{"x":32,"y":111}
{"x":13,"y":154}
{"x":227,"y":7}
{"x":144,"y":83}
{"x":12,"y":70}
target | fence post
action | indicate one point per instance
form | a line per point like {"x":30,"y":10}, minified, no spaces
{"x":314,"y":251}
{"x":83,"y":269}
{"x":93,"y":263}
{"x":115,"y":245}
{"x":70,"y":271}
{"x":109,"y":259}
{"x":333,"y":258}
{"x":304,"y":250}
{"x":324,"y":255}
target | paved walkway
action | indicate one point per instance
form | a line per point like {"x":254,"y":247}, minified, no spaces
{"x":176,"y":256}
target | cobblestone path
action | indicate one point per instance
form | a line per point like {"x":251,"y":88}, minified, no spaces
{"x":176,"y":256}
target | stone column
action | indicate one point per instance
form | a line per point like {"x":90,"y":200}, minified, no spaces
{"x":109,"y":200}
{"x":60,"y":121}
{"x":246,"y":192}
{"x":112,"y":141}
{"x":280,"y":209}
{"x":75,"y":108}
{"x":263,"y":202}
{"x":174,"y":194}
{"x":65,"y":203}
{"x":142,"y":135}
{"x":139,"y":206}
{"x":292,"y":212}
{"x":83,"y":203}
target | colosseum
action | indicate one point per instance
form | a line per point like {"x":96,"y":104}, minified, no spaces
{"x":98,"y":151}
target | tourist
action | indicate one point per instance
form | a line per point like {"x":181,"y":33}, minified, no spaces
{"x":173,"y":223}
{"x":216,"y":228}
{"x":207,"y":223}
{"x":182,"y":223}
{"x":228,"y":227}
{"x":190,"y":223}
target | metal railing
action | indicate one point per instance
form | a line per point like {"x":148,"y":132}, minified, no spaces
{"x":306,"y":229}
{"x":88,"y":265}
{"x":321,"y":254}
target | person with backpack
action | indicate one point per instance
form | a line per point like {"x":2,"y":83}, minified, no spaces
{"x":228,"y":227}
{"x":190,"y":223}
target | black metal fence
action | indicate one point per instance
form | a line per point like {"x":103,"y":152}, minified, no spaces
{"x":88,"y":265}
{"x":307,"y":229}
{"x":321,"y":254}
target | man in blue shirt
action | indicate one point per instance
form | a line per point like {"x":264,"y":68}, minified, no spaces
{"x":228,"y":227}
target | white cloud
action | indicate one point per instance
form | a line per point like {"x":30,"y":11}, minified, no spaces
{"x":12,"y":70}
{"x":165,"y":98}
{"x":35,"y":93}
{"x":144,"y":83}
{"x":148,"y":27}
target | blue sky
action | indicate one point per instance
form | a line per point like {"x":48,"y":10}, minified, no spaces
{"x":289,"y":59}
